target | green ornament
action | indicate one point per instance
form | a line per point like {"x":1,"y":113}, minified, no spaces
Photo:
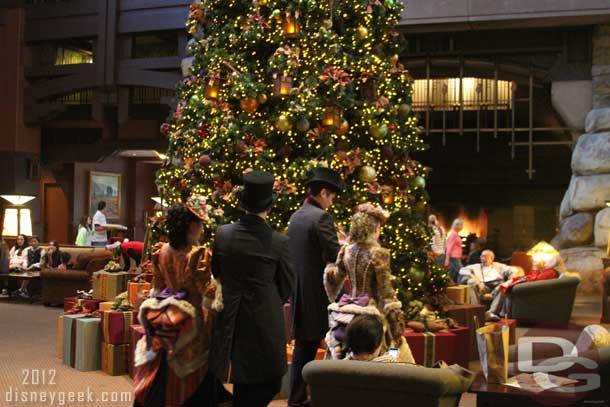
{"x":195,"y":99}
{"x":419,"y":182}
{"x":404,"y":110}
{"x":389,"y":3}
{"x":303,"y":124}
{"x":275,"y":13}
{"x":379,"y":131}
{"x":416,"y":275}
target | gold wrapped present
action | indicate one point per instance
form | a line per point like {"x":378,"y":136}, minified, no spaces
{"x":106,"y":285}
{"x":106,"y":306}
{"x":459,"y":294}
{"x":114,"y":359}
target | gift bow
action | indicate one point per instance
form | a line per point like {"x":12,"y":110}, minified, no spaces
{"x":362,"y":301}
{"x":168,"y":292}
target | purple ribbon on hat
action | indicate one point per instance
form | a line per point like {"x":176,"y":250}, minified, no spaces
{"x":362,"y":300}
{"x":168,"y":292}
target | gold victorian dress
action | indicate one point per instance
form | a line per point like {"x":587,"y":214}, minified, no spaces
{"x":362,"y":271}
{"x":171,"y":359}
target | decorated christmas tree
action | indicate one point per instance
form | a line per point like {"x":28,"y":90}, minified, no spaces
{"x":288,"y":85}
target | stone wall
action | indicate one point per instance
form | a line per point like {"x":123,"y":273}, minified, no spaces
{"x":584,"y":216}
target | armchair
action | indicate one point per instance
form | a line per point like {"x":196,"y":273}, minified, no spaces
{"x":355,"y":384}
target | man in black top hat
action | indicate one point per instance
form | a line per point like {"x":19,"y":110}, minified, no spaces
{"x":254,"y":266}
{"x":314,"y":243}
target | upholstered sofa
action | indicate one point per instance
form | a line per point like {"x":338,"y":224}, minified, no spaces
{"x":56,"y":284}
{"x":364,"y":384}
{"x":549,"y":301}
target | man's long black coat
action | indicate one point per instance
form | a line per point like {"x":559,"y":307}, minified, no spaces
{"x":254,"y":267}
{"x":313,"y":243}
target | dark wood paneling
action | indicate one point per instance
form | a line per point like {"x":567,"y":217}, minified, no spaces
{"x":151,"y":63}
{"x":111,"y":42}
{"x":148,"y":4}
{"x":73,"y":8}
{"x":63,"y":85}
{"x":153,"y":20}
{"x":133,"y":77}
{"x":56,"y":214}
{"x":59,"y":70}
{"x":65,"y":27}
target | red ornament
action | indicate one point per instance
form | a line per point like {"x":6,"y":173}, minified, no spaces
{"x":240,"y":147}
{"x":164,"y":129}
{"x":205,"y":160}
{"x":203,"y":129}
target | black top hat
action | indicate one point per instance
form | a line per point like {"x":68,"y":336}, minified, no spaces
{"x":329,"y":178}
{"x":258,"y":194}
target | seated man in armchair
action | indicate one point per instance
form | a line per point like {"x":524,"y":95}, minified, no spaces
{"x":485,"y":277}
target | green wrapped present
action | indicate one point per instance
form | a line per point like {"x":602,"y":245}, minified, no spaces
{"x":106,"y":285}
{"x":69,"y":338}
{"x":88,"y":342}
{"x":114,"y":358}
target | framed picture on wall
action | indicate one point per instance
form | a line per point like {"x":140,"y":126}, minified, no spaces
{"x":105,"y":186}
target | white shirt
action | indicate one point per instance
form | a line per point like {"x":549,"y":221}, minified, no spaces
{"x":486,"y":273}
{"x":438,"y":243}
{"x":99,"y":219}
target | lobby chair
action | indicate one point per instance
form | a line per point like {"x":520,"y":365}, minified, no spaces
{"x":364,"y":384}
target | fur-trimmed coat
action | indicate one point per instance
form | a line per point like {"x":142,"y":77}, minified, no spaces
{"x":367,"y":266}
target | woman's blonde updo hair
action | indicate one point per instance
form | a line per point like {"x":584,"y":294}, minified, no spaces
{"x":365,"y":221}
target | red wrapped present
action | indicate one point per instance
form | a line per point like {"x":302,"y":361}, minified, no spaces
{"x":90,"y":305}
{"x":462,"y":345}
{"x":135,"y":333}
{"x":465,"y":316}
{"x":115,"y":326}
{"x":512,"y":326}
{"x":428,"y":348}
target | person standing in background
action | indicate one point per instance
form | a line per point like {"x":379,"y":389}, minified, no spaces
{"x":100,"y":235}
{"x":453,"y":255}
{"x":314,"y":244}
{"x":253,"y":263}
{"x":439,"y":240}
{"x":85,"y":232}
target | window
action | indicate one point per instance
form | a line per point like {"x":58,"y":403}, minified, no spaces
{"x":155,"y":45}
{"x":477,"y":93}
{"x":141,"y":95}
{"x":81,"y":97}
{"x":72,"y":56}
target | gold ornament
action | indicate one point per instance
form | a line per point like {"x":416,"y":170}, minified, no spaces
{"x":394,"y":59}
{"x":367,"y":174}
{"x":343,"y":128}
{"x":283,"y":123}
{"x":404,"y":110}
{"x":379,"y":131}
{"x":262,"y":98}
{"x":248,"y":105}
{"x":363,"y":32}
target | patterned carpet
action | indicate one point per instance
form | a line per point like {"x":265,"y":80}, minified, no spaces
{"x":31,"y":369}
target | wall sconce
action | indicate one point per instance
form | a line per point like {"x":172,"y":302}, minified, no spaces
{"x":332,"y":116}
{"x":283,"y":85}
{"x":16,"y":219}
{"x":290,"y":25}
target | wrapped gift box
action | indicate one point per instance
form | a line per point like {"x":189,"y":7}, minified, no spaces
{"x":106,"y":285}
{"x":60,"y":337}
{"x":135,"y":333}
{"x":88,"y":344}
{"x":428,"y":348}
{"x":115,"y":326}
{"x":70,"y":302}
{"x":146,"y":276}
{"x":464,"y":315}
{"x":512,"y":326}
{"x":460,"y":294}
{"x":134,"y":289}
{"x":462,"y":345}
{"x":114,"y":359}
{"x":106,"y":305}
{"x":68,"y":323}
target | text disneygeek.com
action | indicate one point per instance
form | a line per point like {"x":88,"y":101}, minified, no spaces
{"x":28,"y":394}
